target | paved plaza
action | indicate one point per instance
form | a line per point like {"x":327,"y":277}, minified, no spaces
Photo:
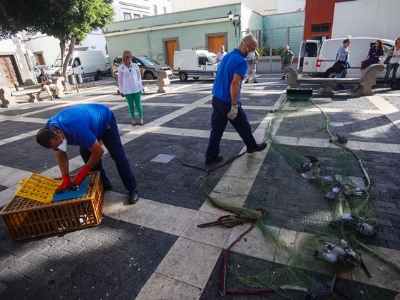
{"x":154,"y":249}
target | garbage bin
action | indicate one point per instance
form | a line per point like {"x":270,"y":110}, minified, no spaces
{"x":71,"y":79}
{"x":79,"y":79}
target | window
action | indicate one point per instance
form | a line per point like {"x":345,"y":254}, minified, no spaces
{"x":136,"y":16}
{"x":127,"y":16}
{"x":320,"y":27}
{"x":155,"y":10}
{"x":76,"y":63}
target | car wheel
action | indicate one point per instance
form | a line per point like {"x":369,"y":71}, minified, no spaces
{"x":98,"y":76}
{"x":329,"y":73}
{"x":149,"y":76}
{"x":183,"y":77}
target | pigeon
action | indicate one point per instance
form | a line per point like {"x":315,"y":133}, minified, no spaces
{"x":349,"y":191}
{"x":353,"y":221}
{"x":331,"y":195}
{"x":365,"y":229}
{"x":311,"y":168}
{"x":319,"y":291}
{"x":341,"y":139}
{"x":331,"y":253}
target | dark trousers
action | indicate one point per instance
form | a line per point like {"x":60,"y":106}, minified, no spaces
{"x":391,"y":67}
{"x":112,"y":142}
{"x":219,"y":120}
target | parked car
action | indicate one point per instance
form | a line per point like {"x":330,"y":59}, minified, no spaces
{"x":37,"y":71}
{"x":148,"y":66}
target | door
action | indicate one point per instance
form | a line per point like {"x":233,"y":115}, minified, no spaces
{"x":308,"y":56}
{"x":39,"y":58}
{"x":215,"y":42}
{"x":10,"y":70}
{"x":170,"y":47}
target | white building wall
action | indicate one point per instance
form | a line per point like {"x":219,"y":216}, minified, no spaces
{"x":7,"y":47}
{"x":368,"y":18}
{"x":263,"y":7}
{"x":48,"y":46}
{"x":133,"y":9}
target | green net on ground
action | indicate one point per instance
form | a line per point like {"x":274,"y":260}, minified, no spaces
{"x":350,"y":212}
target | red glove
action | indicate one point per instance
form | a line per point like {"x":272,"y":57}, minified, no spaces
{"x":65,"y":184}
{"x":80,"y":176}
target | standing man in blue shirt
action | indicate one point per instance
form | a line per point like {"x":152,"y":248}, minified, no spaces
{"x":343,"y":59}
{"x":85,"y":125}
{"x":226,"y":101}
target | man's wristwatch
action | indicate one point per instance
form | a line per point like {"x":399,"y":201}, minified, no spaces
{"x":235,"y":105}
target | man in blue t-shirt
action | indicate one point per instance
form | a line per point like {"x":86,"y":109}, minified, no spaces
{"x":85,"y":125}
{"x":226,"y":101}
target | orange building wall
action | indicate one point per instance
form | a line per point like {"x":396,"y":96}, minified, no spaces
{"x":318,"y":12}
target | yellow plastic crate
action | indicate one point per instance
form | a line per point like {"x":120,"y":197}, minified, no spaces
{"x":38,"y":187}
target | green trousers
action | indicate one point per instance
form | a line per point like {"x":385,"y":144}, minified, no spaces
{"x":134,"y":100}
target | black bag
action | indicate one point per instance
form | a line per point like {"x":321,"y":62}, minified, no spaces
{"x":337,"y":67}
{"x":387,"y":59}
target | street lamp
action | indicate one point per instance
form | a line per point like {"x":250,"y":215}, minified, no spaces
{"x":235,"y":19}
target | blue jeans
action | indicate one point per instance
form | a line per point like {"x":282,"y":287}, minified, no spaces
{"x":112,"y":142}
{"x":219,"y":120}
{"x":341,"y":75}
{"x":391,"y":67}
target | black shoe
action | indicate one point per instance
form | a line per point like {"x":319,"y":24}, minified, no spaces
{"x":283,"y":78}
{"x":255,"y":81}
{"x":260,"y":147}
{"x":246,"y":81}
{"x":133,"y":197}
{"x":57,"y":97}
{"x":210,"y":160}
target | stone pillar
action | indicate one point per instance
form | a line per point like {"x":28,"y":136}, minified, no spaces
{"x":163,"y":80}
{"x":5,"y":97}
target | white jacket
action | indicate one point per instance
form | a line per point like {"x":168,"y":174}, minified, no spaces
{"x":129,"y":79}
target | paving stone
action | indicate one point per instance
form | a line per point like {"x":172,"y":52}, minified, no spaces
{"x":118,"y":258}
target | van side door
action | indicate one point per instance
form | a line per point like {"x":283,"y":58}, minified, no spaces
{"x":77,"y":66}
{"x":308,"y":56}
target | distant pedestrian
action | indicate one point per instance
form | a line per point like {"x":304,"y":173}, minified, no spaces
{"x":394,"y":61}
{"x":226,"y":101}
{"x":252,"y":60}
{"x":287,"y":57}
{"x":375,"y":53}
{"x":85,"y":125}
{"x":47,"y":85}
{"x":220,"y":54}
{"x":130,"y":85}
{"x":342,"y":60}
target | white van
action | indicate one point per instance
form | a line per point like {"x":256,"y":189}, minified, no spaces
{"x":86,"y":63}
{"x":194,"y":63}
{"x":316,"y":58}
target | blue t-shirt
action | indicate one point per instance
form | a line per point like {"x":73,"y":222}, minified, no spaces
{"x":82,"y":124}
{"x":233,"y":63}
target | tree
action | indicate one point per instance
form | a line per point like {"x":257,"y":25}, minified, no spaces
{"x":67,"y":20}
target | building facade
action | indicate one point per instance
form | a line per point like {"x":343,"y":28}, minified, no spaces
{"x":378,"y":19}
{"x":318,"y":20}
{"x":206,"y":28}
{"x":266,"y":7}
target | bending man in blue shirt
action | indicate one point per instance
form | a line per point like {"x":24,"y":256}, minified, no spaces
{"x":226,"y":101}
{"x":85,"y":125}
